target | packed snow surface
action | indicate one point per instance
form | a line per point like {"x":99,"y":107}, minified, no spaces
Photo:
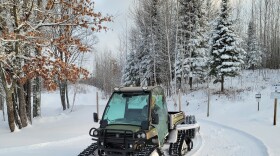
{"x":234,"y":127}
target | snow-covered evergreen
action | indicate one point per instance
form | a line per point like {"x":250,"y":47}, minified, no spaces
{"x":148,"y":44}
{"x":199,"y":42}
{"x":192,"y":41}
{"x":227,"y":55}
{"x":254,"y":53}
{"x":131,"y":71}
{"x":185,"y":33}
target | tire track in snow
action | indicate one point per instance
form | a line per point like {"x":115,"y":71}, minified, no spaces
{"x":220,"y":140}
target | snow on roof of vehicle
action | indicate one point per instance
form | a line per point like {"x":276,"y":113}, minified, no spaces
{"x":133,"y":89}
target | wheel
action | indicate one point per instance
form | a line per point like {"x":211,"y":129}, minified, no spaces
{"x":183,"y":147}
{"x":155,"y":153}
{"x":189,"y":143}
{"x":95,"y":152}
{"x":179,"y":148}
{"x":170,"y":151}
{"x":90,"y":150}
{"x":149,"y":150}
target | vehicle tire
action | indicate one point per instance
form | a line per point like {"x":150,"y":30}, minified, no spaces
{"x":156,"y":152}
{"x":95,"y":153}
{"x":189,"y":143}
{"x":170,"y":150}
{"x":90,"y":151}
{"x":179,"y":148}
{"x":183,"y":148}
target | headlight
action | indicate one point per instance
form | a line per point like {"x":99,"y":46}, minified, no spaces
{"x":95,"y":133}
{"x":141,"y":135}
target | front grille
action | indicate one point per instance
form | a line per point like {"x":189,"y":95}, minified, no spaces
{"x":118,"y":134}
{"x":116,"y":141}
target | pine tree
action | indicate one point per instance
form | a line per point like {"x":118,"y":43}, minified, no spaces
{"x":199,"y":42}
{"x":227,"y":56}
{"x":131,"y":71}
{"x":145,"y":50}
{"x":185,"y":32}
{"x":192,"y":49}
{"x":254,"y":53}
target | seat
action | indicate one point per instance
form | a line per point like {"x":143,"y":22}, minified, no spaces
{"x":144,"y":112}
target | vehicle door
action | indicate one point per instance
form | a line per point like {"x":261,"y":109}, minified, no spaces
{"x":160,"y":108}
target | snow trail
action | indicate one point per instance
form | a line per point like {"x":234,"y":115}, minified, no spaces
{"x":68,"y":147}
{"x":220,"y":140}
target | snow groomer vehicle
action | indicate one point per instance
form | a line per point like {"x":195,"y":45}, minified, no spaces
{"x":136,"y":122}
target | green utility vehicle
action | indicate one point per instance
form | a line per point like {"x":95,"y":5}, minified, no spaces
{"x":136,"y":122}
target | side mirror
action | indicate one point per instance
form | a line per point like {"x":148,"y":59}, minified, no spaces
{"x":155,"y":119}
{"x":103,"y":123}
{"x":95,"y":117}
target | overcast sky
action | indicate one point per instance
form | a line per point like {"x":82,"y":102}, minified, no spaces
{"x":120,"y":10}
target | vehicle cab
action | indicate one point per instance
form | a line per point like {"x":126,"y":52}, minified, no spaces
{"x":134,"y":118}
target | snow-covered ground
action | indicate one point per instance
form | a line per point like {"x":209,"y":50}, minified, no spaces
{"x":234,"y":128}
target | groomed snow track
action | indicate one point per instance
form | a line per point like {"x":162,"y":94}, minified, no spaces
{"x":214,"y":139}
{"x":220,"y":140}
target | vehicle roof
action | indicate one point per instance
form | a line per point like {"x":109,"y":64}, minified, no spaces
{"x":137,"y":89}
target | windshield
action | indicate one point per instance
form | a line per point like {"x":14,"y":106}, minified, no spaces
{"x":127,"y":108}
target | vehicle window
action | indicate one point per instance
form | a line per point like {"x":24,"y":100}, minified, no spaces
{"x":124,"y":108}
{"x":138,"y":102}
{"x":116,"y":108}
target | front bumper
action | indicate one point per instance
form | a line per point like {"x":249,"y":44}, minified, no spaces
{"x":118,"y":142}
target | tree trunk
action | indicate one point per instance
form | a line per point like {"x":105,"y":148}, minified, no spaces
{"x":37,"y":98}
{"x":1,"y":103}
{"x":191,"y":82}
{"x":10,"y":110}
{"x":178,"y":83}
{"x":62,"y":94}
{"x":22,"y":105}
{"x":67,"y":97}
{"x":222,"y":83}
{"x":2,"y":99}
{"x":28,"y":90}
{"x":168,"y":50}
{"x":16,"y":106}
